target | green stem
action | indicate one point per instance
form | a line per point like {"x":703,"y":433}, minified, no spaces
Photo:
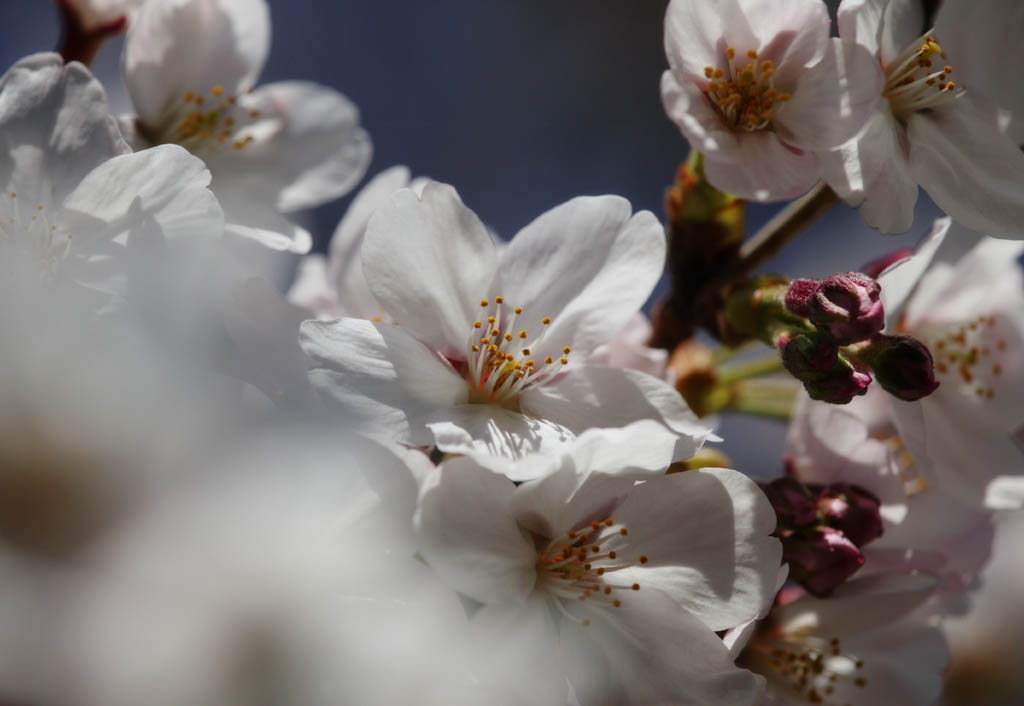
{"x":763,"y":398}
{"x":743,"y":371}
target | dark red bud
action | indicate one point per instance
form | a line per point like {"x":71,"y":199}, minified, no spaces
{"x":814,"y":360}
{"x":794,"y":503}
{"x":902,"y":365}
{"x":852,"y":510}
{"x":821,"y":559}
{"x":799,"y":294}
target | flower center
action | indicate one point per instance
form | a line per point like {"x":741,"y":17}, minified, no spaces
{"x":972,"y":355}
{"x":207,"y":123}
{"x":745,"y":97}
{"x":502,"y":361}
{"x":580,"y":565}
{"x":809,"y":665}
{"x":919,"y":78}
{"x":31,"y":229}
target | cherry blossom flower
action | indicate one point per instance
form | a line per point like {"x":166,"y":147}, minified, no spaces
{"x":483,"y":360}
{"x":968,"y":308}
{"x":760,"y":89}
{"x":926,"y":528}
{"x":933,"y":129}
{"x":333,"y":287}
{"x":868,"y":643}
{"x":74,"y":197}
{"x":619,"y":584}
{"x":190,"y":67}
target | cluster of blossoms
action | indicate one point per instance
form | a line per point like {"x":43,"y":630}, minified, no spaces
{"x":453,"y":469}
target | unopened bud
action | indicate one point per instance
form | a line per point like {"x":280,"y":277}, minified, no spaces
{"x":848,"y":307}
{"x":814,"y":360}
{"x":901,"y":364}
{"x":820,"y":560}
{"x":852,"y":510}
{"x":794,"y":503}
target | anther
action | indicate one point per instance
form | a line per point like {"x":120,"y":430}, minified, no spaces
{"x":499,"y":300}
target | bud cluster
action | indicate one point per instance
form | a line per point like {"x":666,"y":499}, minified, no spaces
{"x":829,"y":333}
{"x":822,"y":529}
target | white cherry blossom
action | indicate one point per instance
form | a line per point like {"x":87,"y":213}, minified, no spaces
{"x":618,"y":584}
{"x":932,"y":129}
{"x":868,"y":643}
{"x":760,"y":88}
{"x":484,"y":357}
{"x":191,"y":67}
{"x":964,"y":299}
{"x":74,"y":196}
{"x":927,"y":528}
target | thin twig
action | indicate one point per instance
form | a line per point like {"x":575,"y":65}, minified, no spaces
{"x":782,"y":228}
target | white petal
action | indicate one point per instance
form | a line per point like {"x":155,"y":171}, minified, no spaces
{"x":592,"y":396}
{"x":969,"y":168}
{"x":56,"y":127}
{"x":764,"y":169}
{"x":568,"y":498}
{"x":516,"y":648}
{"x":899,"y":279}
{"x":701,"y":125}
{"x":429,"y":261}
{"x":982,"y":37}
{"x":250,"y":217}
{"x":834,"y":99}
{"x":860,"y":21}
{"x":705,"y":534}
{"x":468,"y":534}
{"x":691,"y":30}
{"x":308,"y":149}
{"x":312,"y":291}
{"x":495,"y":436}
{"x":792,"y":35}
{"x":165,"y":184}
{"x":902,"y":23}
{"x":860,"y":605}
{"x":380,"y":374}
{"x":648,"y":651}
{"x":346,"y":263}
{"x":589,"y":265}
{"x":177,"y":46}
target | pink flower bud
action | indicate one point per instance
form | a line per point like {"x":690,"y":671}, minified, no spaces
{"x":848,"y":307}
{"x":853,"y":511}
{"x":821,"y":560}
{"x":814,"y":360}
{"x":798,"y":296}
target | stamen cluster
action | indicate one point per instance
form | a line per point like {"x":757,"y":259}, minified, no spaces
{"x":913,"y":82}
{"x":745,"y":97}
{"x":576,"y":564}
{"x":500,"y":361}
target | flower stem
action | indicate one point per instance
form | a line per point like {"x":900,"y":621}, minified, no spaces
{"x":763,"y":398}
{"x":782,"y":228}
{"x":731,"y":374}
